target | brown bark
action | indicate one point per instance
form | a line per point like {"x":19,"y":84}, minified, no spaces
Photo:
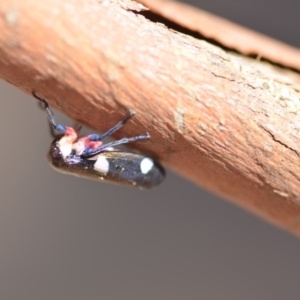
{"x":227,"y":33}
{"x":227,"y":122}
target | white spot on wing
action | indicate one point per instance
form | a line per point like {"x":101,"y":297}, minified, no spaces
{"x":101,"y":165}
{"x":146,"y":165}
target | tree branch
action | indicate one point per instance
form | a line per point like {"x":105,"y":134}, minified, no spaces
{"x":226,"y":33}
{"x":226,"y":122}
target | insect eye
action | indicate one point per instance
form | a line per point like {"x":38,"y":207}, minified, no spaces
{"x":56,"y":152}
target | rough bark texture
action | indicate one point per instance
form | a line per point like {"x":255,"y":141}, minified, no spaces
{"x":227,"y":122}
{"x":227,"y":33}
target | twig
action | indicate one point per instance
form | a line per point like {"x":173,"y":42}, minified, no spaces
{"x":226,"y":122}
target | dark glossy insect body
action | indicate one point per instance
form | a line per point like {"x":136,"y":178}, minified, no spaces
{"x":88,"y":157}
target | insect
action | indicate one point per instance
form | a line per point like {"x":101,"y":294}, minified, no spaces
{"x":87,"y":156}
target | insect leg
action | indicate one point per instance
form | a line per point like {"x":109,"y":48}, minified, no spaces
{"x":99,"y":137}
{"x":88,"y":152}
{"x":58,"y":127}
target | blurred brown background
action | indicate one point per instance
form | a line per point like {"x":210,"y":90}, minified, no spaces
{"x":67,"y":238}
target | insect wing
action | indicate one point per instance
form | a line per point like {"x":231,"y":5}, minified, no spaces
{"x":129,"y":168}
